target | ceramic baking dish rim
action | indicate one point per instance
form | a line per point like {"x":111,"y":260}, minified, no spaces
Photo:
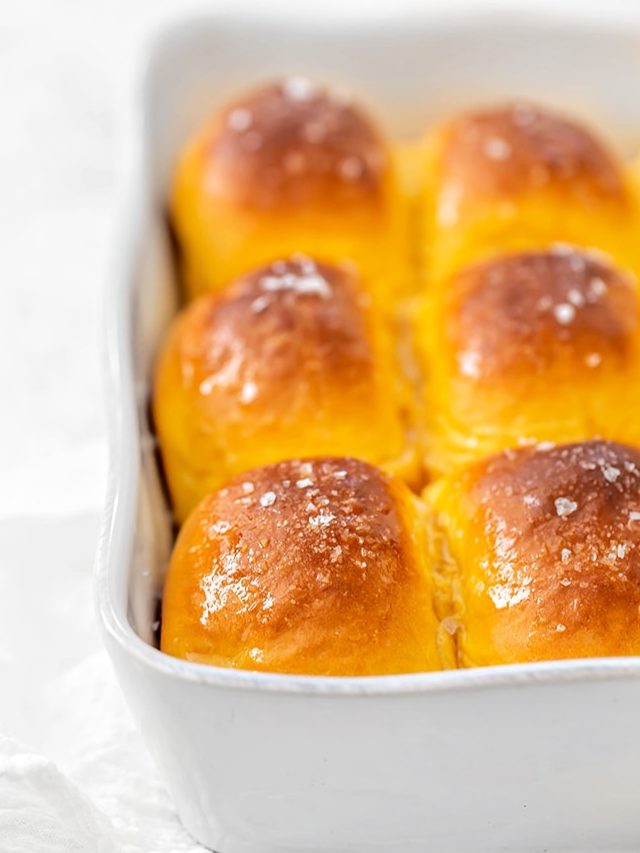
{"x":116,"y":537}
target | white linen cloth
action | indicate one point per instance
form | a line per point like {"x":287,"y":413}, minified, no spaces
{"x":64,"y":70}
{"x":41,"y":810}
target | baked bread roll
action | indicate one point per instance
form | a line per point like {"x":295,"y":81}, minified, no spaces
{"x":289,"y":167}
{"x":541,"y":551}
{"x":290,"y":360}
{"x":518,"y":177}
{"x":314,"y":567}
{"x":525,"y":348}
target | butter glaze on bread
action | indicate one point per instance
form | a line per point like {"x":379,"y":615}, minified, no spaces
{"x":526,"y":313}
{"x":314,"y":567}
{"x":290,"y":360}
{"x":518,"y":177}
{"x":529,"y":347}
{"x":290,"y":167}
{"x":505,"y":151}
{"x":541,"y":548}
{"x":296,"y":144}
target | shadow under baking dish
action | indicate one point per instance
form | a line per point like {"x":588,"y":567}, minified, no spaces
{"x":514,"y":758}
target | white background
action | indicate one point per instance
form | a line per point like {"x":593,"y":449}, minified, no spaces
{"x":65,"y":72}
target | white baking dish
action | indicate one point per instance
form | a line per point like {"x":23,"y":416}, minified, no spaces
{"x":520,"y":758}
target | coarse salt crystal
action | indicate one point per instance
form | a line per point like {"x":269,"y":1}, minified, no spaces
{"x":564,"y":313}
{"x":304,"y":483}
{"x":565,"y":506}
{"x":268,"y":499}
{"x":321,"y":519}
{"x":610,"y":473}
{"x":312,"y":283}
{"x":307,"y":265}
{"x":448,"y":205}
{"x":207,"y":385}
{"x":576,"y":262}
{"x":249,"y":392}
{"x":562,"y":249}
{"x":469,"y":363}
{"x":597,"y":287}
{"x":268,"y":602}
{"x":259,"y":304}
{"x":298,"y":88}
{"x":240,"y":119}
{"x":575,"y":297}
{"x":496,"y":148}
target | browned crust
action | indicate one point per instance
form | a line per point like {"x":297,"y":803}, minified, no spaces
{"x":295,"y":144}
{"x":308,"y":561}
{"x":289,"y":323}
{"x":524,"y":313}
{"x":563,"y":529}
{"x":507,"y":150}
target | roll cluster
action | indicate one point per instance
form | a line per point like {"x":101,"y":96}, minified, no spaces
{"x":398,"y":414}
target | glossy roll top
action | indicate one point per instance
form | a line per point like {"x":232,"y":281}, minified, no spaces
{"x":529,"y":347}
{"x":290,"y":360}
{"x":540,"y":549}
{"x":314,"y":567}
{"x":518,"y":177}
{"x":290,"y":167}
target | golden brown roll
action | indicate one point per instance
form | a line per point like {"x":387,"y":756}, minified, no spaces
{"x":541,"y":551}
{"x":529,"y":347}
{"x":315,"y":567}
{"x":289,"y":167}
{"x":290,"y":360}
{"x":517,"y":177}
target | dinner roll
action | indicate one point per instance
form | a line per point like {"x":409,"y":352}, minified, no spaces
{"x":529,"y":347}
{"x":315,"y":567}
{"x":289,"y":167}
{"x":541,"y":549}
{"x":517,"y":177}
{"x":290,"y":360}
